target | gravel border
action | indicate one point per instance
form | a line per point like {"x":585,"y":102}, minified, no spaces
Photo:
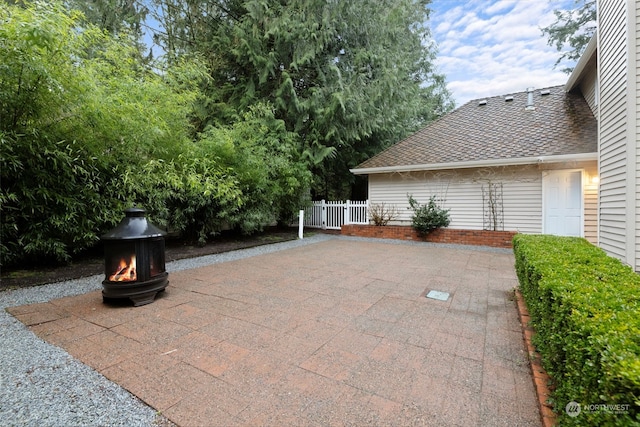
{"x":42,"y":385}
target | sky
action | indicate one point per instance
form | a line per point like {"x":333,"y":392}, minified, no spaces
{"x":495,"y":47}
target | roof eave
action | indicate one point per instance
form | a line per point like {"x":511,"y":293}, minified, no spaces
{"x":578,"y":71}
{"x":478,"y":163}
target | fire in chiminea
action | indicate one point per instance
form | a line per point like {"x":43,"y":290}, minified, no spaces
{"x":126,"y":271}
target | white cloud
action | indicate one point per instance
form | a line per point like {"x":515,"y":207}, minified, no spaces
{"x":489,"y":48}
{"x":463,"y":51}
{"x":442,"y":28}
{"x":499,"y":6}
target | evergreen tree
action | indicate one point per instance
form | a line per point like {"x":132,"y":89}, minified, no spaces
{"x":114,"y":16}
{"x":349,"y":77}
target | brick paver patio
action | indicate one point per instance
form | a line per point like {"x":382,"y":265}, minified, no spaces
{"x":333,"y":333}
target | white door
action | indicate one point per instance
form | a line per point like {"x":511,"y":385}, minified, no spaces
{"x":563,"y":203}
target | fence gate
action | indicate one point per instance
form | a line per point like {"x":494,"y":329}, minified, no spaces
{"x":333,"y":214}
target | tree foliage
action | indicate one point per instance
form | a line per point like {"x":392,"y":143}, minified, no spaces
{"x":348,"y":77}
{"x":86,"y":129}
{"x":74,"y":113}
{"x":264,"y":160}
{"x":114,"y":16}
{"x":572,"y":30}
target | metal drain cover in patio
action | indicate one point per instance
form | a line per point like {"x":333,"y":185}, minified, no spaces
{"x":439,"y":295}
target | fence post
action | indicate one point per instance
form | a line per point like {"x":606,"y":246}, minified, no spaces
{"x":324,"y":215}
{"x":366,"y":212}
{"x":300,"y":223}
{"x":347,"y":215}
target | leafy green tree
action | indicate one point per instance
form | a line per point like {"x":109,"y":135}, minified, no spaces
{"x":348,"y":77}
{"x":45,"y":181}
{"x":264,"y":159}
{"x":87,"y":128}
{"x":78,"y":117}
{"x":572,"y":27}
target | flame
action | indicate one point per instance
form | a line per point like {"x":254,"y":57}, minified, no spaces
{"x":125,"y":272}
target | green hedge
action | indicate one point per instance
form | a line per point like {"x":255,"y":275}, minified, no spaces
{"x":585,"y":309}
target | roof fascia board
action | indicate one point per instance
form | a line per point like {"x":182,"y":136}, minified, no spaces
{"x":479,"y":163}
{"x":578,"y":71}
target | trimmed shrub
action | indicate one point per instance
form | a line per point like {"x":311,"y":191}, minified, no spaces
{"x":427,"y":218}
{"x":585,"y":308}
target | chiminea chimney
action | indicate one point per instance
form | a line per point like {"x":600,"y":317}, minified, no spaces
{"x":530,"y":106}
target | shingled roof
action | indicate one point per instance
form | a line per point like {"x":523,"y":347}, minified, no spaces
{"x":500,"y":129}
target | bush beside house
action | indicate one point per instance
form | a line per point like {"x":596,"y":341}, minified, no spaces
{"x":429,"y":217}
{"x":585,"y":308}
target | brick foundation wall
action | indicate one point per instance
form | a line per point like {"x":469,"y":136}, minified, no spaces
{"x":496,"y":239}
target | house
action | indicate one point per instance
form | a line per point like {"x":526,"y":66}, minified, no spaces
{"x":608,"y":72}
{"x":566,"y":163}
{"x":523,"y":162}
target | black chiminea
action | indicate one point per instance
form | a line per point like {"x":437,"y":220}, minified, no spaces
{"x":134,"y":260}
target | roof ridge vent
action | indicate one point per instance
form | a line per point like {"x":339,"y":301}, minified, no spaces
{"x":530,"y":106}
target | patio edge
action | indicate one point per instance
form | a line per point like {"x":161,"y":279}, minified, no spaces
{"x":541,"y":379}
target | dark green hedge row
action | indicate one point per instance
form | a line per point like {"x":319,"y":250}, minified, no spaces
{"x":585,"y":309}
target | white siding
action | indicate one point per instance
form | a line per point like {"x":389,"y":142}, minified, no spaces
{"x":589,"y":86}
{"x":635,"y":61}
{"x":591,"y":203}
{"x":612,"y":62}
{"x":461,"y":192}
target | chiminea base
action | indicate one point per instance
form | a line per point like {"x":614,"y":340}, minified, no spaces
{"x":140,"y":293}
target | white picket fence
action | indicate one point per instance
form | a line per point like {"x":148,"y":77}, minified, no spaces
{"x":333,"y":214}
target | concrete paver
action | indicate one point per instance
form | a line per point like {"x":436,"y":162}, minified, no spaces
{"x":333,"y":333}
